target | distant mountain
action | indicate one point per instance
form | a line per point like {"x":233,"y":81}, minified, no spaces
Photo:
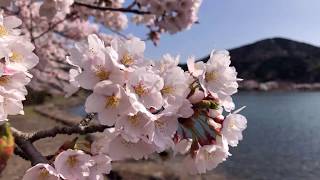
{"x":277,"y":59}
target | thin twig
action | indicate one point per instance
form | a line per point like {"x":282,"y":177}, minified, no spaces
{"x":51,"y":27}
{"x":118,"y":33}
{"x":125,"y":10}
{"x":66,"y":130}
{"x":132,"y":5}
{"x":31,"y":26}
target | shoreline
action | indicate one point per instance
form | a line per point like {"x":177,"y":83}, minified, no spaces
{"x":252,"y":85}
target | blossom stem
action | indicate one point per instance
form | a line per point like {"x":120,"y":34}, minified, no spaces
{"x":125,"y":10}
{"x":66,"y":130}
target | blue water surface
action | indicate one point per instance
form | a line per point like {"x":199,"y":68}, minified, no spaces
{"x":282,"y":140}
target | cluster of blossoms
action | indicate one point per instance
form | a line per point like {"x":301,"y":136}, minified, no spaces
{"x":16,"y":58}
{"x":152,"y":107}
{"x":72,"y":165}
{"x":50,"y":8}
{"x":160,"y":16}
{"x":54,"y":25}
{"x":168,"y":15}
{"x":115,"y":20}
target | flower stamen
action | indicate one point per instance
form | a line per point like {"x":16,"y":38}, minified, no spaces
{"x":134,"y":120}
{"x":102,"y":74}
{"x":3,"y":31}
{"x":232,"y":125}
{"x":16,"y":57}
{"x":72,"y":161}
{"x":167,"y":90}
{"x":160,"y":125}
{"x":210,"y":76}
{"x":127,"y":60}
{"x":43,"y":175}
{"x":208,"y":156}
{"x":112,"y":101}
{"x":140,"y":89}
{"x":4,"y":80}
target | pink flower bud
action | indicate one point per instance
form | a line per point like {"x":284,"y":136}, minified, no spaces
{"x":196,"y":97}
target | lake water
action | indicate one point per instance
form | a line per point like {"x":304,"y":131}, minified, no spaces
{"x":282,"y":141}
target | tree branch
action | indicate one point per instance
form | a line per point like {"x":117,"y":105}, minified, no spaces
{"x":27,"y":147}
{"x":19,"y":152}
{"x":125,"y":10}
{"x":66,"y":130}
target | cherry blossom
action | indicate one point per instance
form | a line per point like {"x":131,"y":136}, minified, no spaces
{"x":146,"y":85}
{"x":74,"y":85}
{"x":100,"y":70}
{"x":10,"y":104}
{"x":207,"y":158}
{"x":17,"y":80}
{"x":12,"y":101}
{"x":137,"y":126}
{"x":101,"y":144}
{"x":170,"y":16}
{"x":182,"y":146}
{"x":8,"y":26}
{"x":130,"y":52}
{"x":97,"y":63}
{"x":197,"y":96}
{"x":101,"y":166}
{"x":50,"y":8}
{"x":233,"y":125}
{"x":73,"y":164}
{"x":179,"y":107}
{"x":110,"y":101}
{"x":20,"y":55}
{"x":165,"y":128}
{"x":167,"y":62}
{"x":217,"y":77}
{"x":41,"y":171}
{"x":119,"y":149}
{"x":176,"y":83}
{"x":116,"y":21}
{"x":196,"y":69}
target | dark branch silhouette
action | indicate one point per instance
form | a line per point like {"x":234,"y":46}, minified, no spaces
{"x":125,"y":10}
{"x":66,"y":130}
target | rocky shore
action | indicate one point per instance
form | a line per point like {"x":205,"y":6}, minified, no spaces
{"x":252,"y":85}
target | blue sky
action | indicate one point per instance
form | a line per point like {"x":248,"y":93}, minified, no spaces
{"x":231,"y":23}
